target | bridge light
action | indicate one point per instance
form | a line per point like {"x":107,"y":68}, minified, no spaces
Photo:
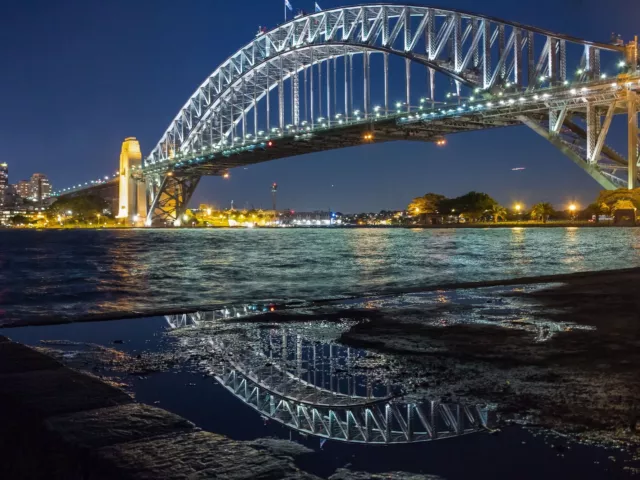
{"x":545,"y":95}
{"x":573,"y":91}
{"x":584,"y":90}
{"x":622,"y":64}
{"x":603,"y":76}
{"x":614,"y":85}
{"x":477,"y":90}
{"x":543,"y":78}
{"x":472,"y":99}
{"x":489,"y":104}
{"x":565,"y":83}
{"x":580,"y":71}
{"x":536,"y":97}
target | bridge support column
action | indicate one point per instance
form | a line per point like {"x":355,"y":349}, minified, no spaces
{"x":132,"y":205}
{"x":170,"y":201}
{"x":632,"y":113}
{"x":555,"y":140}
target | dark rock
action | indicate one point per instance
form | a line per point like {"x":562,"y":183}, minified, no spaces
{"x":344,"y":474}
{"x":108,"y":426}
{"x":280,"y":447}
{"x":15,"y":357}
{"x":44,"y":393}
{"x":200,"y":455}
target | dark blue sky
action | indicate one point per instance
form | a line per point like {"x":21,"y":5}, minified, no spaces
{"x":79,"y":76}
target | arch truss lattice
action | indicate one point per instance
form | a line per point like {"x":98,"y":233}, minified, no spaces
{"x":307,"y":84}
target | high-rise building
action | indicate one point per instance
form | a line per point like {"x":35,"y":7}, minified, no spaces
{"x":4,"y":181}
{"x":40,"y":187}
{"x":23,"y":189}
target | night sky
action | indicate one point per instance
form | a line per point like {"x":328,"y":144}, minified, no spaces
{"x":80,"y":76}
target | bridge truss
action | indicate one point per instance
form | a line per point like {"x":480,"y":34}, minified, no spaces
{"x":296,"y":376}
{"x":308,"y":85}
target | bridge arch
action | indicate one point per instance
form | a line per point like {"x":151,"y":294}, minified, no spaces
{"x":232,"y":113}
{"x":456,"y":43}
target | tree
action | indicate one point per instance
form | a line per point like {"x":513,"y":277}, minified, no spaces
{"x":498,"y":211}
{"x":595,"y":210}
{"x":623,"y":204}
{"x":85,"y":208}
{"x":19,"y":220}
{"x":428,"y":203}
{"x":473,"y":205}
{"x":542,"y":211}
{"x":611,"y":197}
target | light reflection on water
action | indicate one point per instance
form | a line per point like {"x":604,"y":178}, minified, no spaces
{"x":70,"y":273}
{"x":296,"y":374}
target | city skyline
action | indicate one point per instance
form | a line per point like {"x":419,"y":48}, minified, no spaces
{"x":356,"y":179}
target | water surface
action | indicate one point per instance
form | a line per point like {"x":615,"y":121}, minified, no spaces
{"x":49,"y":274}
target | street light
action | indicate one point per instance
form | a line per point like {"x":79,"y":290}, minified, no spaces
{"x":572,"y":209}
{"x":518,"y":208}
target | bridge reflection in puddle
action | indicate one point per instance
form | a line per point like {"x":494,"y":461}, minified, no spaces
{"x":296,"y":374}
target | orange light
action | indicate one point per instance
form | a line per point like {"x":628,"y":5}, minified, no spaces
{"x":368,"y":136}
{"x":225,"y":175}
{"x":272,"y":309}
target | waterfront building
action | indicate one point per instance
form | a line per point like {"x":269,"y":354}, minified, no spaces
{"x":23,"y":189}
{"x":40,"y":188}
{"x":4,"y":182}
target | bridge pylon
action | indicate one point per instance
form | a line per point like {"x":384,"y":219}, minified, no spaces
{"x":132,"y":201}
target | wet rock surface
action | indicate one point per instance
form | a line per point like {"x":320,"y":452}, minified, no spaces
{"x":346,"y":474}
{"x":208,"y":456}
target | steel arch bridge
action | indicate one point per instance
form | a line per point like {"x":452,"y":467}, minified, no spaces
{"x":307,"y":86}
{"x":309,"y":385}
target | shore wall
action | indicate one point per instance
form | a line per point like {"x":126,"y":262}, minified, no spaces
{"x":57,"y":423}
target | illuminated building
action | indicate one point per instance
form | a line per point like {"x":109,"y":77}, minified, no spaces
{"x":23,"y":189}
{"x":40,"y":188}
{"x":4,"y":181}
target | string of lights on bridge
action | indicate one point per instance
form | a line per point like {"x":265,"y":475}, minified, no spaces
{"x":402,"y":114}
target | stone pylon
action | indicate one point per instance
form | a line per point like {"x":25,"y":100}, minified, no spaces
{"x":132,"y":203}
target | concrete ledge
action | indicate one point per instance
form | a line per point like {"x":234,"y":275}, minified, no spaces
{"x":110,"y":426}
{"x":59,"y":424}
{"x":43,"y":393}
{"x":16,"y":358}
{"x":196,"y":455}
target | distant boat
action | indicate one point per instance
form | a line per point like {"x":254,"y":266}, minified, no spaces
{"x":518,"y":168}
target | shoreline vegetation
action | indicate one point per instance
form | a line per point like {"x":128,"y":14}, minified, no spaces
{"x":431,"y":210}
{"x":479,"y":225}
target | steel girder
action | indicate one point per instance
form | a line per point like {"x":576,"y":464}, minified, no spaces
{"x":384,"y":422}
{"x":169,"y":198}
{"x":554,"y":113}
{"x":416,"y":32}
{"x":266,"y":369}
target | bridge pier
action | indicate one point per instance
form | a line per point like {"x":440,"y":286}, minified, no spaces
{"x":169,"y":199}
{"x":632,"y":135}
{"x":132,"y":204}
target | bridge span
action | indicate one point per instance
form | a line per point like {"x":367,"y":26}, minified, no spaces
{"x":296,"y":375}
{"x":290,"y":91}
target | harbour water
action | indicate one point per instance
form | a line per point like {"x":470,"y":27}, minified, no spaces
{"x":494,"y":384}
{"x":52,"y":274}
